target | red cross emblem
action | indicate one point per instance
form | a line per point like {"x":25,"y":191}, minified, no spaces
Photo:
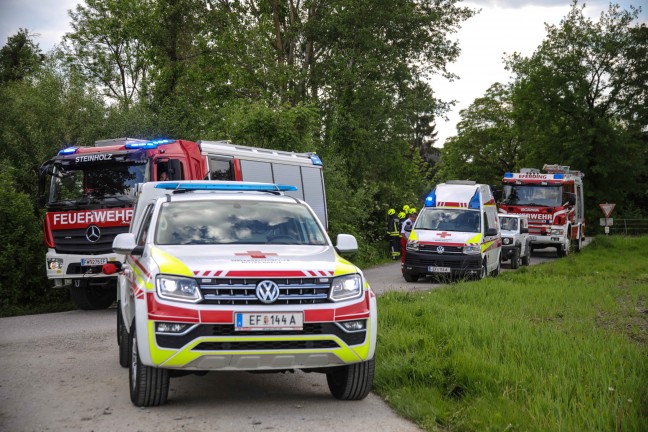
{"x":444,"y":234}
{"x":256,"y":254}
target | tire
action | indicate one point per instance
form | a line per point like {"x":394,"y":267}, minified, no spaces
{"x":578,"y":243}
{"x":483,"y":271}
{"x":149,"y":386}
{"x":498,"y":269}
{"x":123,"y":340}
{"x":526,"y":259}
{"x":410,"y":277}
{"x":351,"y":382}
{"x":515,"y":259}
{"x":87,"y":296}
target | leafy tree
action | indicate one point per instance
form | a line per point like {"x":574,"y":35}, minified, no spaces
{"x":20,"y":57}
{"x":581,"y":101}
{"x":487,"y":143}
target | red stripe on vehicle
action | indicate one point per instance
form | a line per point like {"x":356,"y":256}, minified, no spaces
{"x":319,"y":315}
{"x":439,"y":244}
{"x":158,"y":311}
{"x":141,"y":267}
{"x":266,"y":273}
{"x":217,"y":317}
{"x":354,"y":311}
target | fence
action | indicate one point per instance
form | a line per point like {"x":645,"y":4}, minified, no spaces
{"x":629,"y":226}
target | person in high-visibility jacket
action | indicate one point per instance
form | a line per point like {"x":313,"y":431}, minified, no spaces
{"x":393,"y":231}
{"x":409,"y":222}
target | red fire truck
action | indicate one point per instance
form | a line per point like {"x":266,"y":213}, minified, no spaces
{"x":553,"y":201}
{"x":87,"y":192}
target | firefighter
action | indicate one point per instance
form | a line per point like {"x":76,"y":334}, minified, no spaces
{"x":393,"y":232}
{"x":409,"y":222}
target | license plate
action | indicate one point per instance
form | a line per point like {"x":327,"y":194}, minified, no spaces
{"x":433,"y":269}
{"x":268,"y":321}
{"x":93,"y":261}
{"x":532,"y":238}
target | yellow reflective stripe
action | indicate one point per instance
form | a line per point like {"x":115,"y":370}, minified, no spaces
{"x":475,"y":240}
{"x":486,"y":245}
{"x":169,"y":264}
{"x":342,"y":266}
{"x":158,"y":355}
{"x":140,"y":277}
{"x":413,"y":235}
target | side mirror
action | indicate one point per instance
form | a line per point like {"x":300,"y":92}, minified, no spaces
{"x":571,"y":198}
{"x":346,"y":244}
{"x":124,"y":244}
{"x":491,"y":232}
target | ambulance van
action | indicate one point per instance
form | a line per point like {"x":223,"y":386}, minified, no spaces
{"x":456,"y":233}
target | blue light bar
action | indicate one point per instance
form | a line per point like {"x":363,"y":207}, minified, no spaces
{"x":474,"y":201}
{"x":559,"y":176}
{"x":226,"y":186}
{"x":68,"y":151}
{"x":430,"y":200}
{"x":149,"y":145}
{"x":508,"y":175}
{"x":316,"y":160}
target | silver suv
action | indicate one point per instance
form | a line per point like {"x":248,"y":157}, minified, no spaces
{"x":516,"y":244}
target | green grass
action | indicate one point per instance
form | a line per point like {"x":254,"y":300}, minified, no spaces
{"x":561,"y":346}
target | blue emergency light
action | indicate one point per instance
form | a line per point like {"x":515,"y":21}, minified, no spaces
{"x":474,"y":201}
{"x":559,"y":176}
{"x":430,"y":200}
{"x":234,"y":186}
{"x":316,"y":160}
{"x":508,"y":175}
{"x":68,"y":151}
{"x":149,"y":145}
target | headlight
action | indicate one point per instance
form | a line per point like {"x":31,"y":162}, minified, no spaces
{"x":472,"y":249}
{"x":346,"y":287}
{"x":54,"y":263}
{"x":556,"y":232}
{"x":412,"y":246}
{"x":507,"y":240}
{"x":178,"y":289}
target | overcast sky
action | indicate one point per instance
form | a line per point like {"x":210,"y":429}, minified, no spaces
{"x":502,"y":26}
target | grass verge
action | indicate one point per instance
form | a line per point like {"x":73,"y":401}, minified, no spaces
{"x":556,"y":347}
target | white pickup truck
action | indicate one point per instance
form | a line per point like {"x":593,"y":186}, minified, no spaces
{"x":238,"y":276}
{"x":516,"y":243}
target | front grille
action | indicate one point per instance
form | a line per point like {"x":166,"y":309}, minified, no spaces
{"x":446,"y":249}
{"x":228,"y":291}
{"x":270,"y":345}
{"x":454,"y":262}
{"x":74,"y":241}
{"x":227,"y":330}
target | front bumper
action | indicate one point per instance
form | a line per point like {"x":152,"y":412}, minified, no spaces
{"x":71,"y":267}
{"x":507,"y":251}
{"x":459,"y":264}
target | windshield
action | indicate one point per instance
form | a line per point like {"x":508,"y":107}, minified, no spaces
{"x":533,"y":195}
{"x":237,"y":222}
{"x":448,"y":220}
{"x":509,"y":223}
{"x":94,"y":184}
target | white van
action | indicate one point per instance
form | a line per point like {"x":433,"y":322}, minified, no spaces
{"x":456,"y":233}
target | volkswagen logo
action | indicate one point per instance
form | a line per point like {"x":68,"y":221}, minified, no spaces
{"x":93,"y":233}
{"x":267,"y":291}
{"x":440,"y":249}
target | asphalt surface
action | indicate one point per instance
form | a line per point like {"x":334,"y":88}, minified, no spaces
{"x":60,"y":372}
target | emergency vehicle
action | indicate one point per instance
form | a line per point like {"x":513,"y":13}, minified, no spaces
{"x":553,"y":201}
{"x":456,"y":233}
{"x":88,"y":195}
{"x":87,"y":192}
{"x":234,"y":276}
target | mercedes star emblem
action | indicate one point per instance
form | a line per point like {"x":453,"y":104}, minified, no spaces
{"x":93,"y":233}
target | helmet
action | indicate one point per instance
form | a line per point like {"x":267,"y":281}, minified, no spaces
{"x":401,"y":215}
{"x":406,"y":208}
{"x":391,"y":212}
{"x":412,"y":210}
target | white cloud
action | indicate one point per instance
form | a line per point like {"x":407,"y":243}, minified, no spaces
{"x":46,"y":18}
{"x":502,"y":27}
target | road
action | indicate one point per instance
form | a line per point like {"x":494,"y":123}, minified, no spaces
{"x":60,"y":372}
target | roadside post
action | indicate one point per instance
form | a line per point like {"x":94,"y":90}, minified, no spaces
{"x":607,"y":221}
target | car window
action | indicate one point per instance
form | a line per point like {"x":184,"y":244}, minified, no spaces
{"x":237,"y":222}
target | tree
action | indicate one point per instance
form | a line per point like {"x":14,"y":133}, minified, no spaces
{"x":487,"y":143}
{"x":580,"y":100}
{"x":20,"y":57}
